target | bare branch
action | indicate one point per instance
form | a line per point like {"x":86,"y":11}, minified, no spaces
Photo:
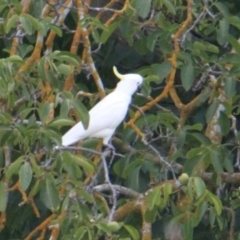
{"x":200,"y":16}
{"x":120,"y":189}
{"x":162,"y":160}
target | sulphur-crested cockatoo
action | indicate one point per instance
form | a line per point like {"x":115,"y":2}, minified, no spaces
{"x":107,"y":114}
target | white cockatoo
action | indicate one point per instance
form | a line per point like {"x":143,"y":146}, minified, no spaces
{"x":107,"y":114}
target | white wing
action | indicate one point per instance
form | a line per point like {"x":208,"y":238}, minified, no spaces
{"x":104,"y":118}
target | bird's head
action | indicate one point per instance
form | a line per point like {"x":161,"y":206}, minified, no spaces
{"x":129,"y":82}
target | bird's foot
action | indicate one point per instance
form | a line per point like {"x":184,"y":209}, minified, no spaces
{"x":109,"y":148}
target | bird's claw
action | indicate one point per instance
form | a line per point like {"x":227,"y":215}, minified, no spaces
{"x":109,"y":148}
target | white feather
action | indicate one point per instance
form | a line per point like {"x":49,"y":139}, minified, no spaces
{"x":106,"y":115}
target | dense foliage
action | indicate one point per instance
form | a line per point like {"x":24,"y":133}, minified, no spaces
{"x":175,"y":173}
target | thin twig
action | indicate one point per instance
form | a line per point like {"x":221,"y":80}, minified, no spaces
{"x":80,"y":149}
{"x":162,"y":160}
{"x":22,"y":100}
{"x":144,"y":117}
{"x":200,"y":16}
{"x":105,"y":153}
{"x":114,"y":192}
{"x":123,"y":190}
{"x":208,"y":11}
{"x":98,"y":9}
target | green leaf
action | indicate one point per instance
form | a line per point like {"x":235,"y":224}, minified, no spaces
{"x":81,"y":112}
{"x":235,"y":203}
{"x":130,"y":167}
{"x":65,"y":202}
{"x":114,"y":226}
{"x":199,"y":186}
{"x":146,"y":89}
{"x":67,"y":57}
{"x":5,"y":127}
{"x":43,"y":111}
{"x":35,"y":167}
{"x":188,"y":227}
{"x":221,"y":222}
{"x":197,"y":127}
{"x":224,"y":123}
{"x":25,"y":175}
{"x":97,"y":23}
{"x":211,"y":47}
{"x":194,"y":152}
{"x":151,"y":78}
{"x":45,"y":26}
{"x":61,"y":122}
{"x":235,"y":44}
{"x":166,"y":191}
{"x":201,"y":138}
{"x":86,"y":195}
{"x":234,"y":20}
{"x":212,"y":216}
{"x":35,"y":189}
{"x":216,"y":160}
{"x":41,"y":69}
{"x":211,"y":111}
{"x":230,"y":87}
{"x":199,"y":46}
{"x":201,"y":210}
{"x":205,"y":46}
{"x":109,"y":227}
{"x":227,"y":159}
{"x":222,"y":8}
{"x":222,"y":33}
{"x":151,"y":40}
{"x":3,"y":197}
{"x":33,"y":21}
{"x":96,"y":35}
{"x":230,"y":58}
{"x":187,"y":76}
{"x":181,"y":138}
{"x":140,"y":45}
{"x":107,"y":33}
{"x":50,"y":196}
{"x":80,"y":233}
{"x":15,"y":59}
{"x":27,"y":26}
{"x":151,"y":215}
{"x":132,"y":231}
{"x":14,"y":167}
{"x":84,"y":163}
{"x":170,"y":7}
{"x":104,"y":227}
{"x":216,"y":202}
{"x":142,"y":6}
{"x":56,"y":29}
{"x":3,"y":5}
{"x":80,"y":161}
{"x":11,"y":23}
{"x":65,"y":69}
{"x":153,"y":198}
{"x":162,"y":70}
